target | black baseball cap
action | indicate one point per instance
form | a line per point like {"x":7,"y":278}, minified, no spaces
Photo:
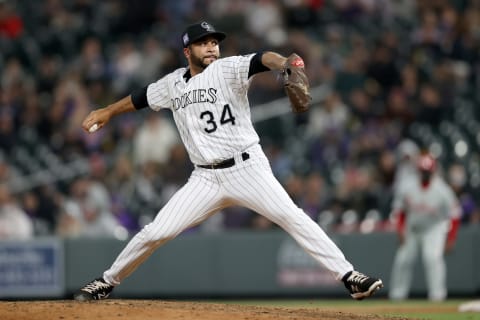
{"x":199,"y":30}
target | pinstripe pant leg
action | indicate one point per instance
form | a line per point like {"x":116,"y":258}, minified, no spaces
{"x":199,"y":198}
{"x":255,"y":187}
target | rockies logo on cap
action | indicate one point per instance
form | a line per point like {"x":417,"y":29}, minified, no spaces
{"x":207,"y":27}
{"x":197,"y":31}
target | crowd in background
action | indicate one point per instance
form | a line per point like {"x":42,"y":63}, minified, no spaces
{"x":403,"y":76}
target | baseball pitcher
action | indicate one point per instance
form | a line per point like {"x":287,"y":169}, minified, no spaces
{"x":208,"y":99}
{"x":428,"y":216}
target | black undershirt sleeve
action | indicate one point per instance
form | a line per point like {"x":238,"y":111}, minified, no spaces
{"x":256,"y":65}
{"x":139,"y":98}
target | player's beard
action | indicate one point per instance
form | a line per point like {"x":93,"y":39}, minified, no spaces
{"x":198,"y":62}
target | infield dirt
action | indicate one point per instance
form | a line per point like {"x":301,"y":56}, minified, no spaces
{"x":166,"y":310}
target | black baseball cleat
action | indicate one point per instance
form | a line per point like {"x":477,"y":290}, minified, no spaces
{"x":97,"y":289}
{"x":361,"y":286}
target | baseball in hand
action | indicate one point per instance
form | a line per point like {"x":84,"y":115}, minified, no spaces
{"x":93,"y":128}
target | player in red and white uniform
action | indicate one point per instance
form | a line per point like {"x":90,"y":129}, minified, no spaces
{"x":428,"y":213}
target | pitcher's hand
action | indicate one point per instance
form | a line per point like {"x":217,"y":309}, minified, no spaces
{"x":96,"y":120}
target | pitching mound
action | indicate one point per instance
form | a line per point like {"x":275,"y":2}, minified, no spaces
{"x":153,"y":309}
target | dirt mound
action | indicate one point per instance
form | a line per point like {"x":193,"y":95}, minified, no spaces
{"x":166,"y":310}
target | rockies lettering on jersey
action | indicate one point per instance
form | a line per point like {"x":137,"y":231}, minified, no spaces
{"x":195,"y":96}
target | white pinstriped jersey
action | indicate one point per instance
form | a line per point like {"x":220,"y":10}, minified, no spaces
{"x":426,"y":206}
{"x":211,"y":109}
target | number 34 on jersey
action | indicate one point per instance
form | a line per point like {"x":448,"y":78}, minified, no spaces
{"x":212,"y":123}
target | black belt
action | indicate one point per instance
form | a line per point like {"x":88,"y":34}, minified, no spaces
{"x":225,"y":163}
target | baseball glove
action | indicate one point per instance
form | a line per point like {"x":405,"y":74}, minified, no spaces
{"x":296,"y":83}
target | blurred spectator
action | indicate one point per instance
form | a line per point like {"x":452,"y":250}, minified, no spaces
{"x":431,"y":109}
{"x":404,"y":11}
{"x":97,"y":213}
{"x":178,"y":170}
{"x":8,"y":136}
{"x":280,"y":162}
{"x":154,"y":140}
{"x":126,"y":65}
{"x":14,"y":222}
{"x":264,"y":20}
{"x":88,"y":212}
{"x":91,"y":63}
{"x":355,"y":9}
{"x":357,"y":193}
{"x":352,"y":75}
{"x":302,"y":14}
{"x":315,"y":195}
{"x":126,"y":131}
{"x":148,"y":191}
{"x":331,"y":115}
{"x":328,"y":150}
{"x":362,"y":105}
{"x":457,"y":178}
{"x":69,"y":223}
{"x":382,"y":68}
{"x":385,"y":183}
{"x":152,"y":57}
{"x":428,"y":34}
{"x":43,"y":207}
{"x":295,"y":187}
{"x":121,"y":179}
{"x":410,"y":82}
{"x":407,"y":152}
{"x":11,"y":24}
{"x":349,"y":222}
{"x":398,"y":107}
{"x":16,"y":85}
{"x":4,"y":170}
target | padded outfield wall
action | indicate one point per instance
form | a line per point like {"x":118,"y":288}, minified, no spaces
{"x":235,"y":264}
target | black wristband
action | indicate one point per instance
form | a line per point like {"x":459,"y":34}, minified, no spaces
{"x":256,"y":65}
{"x":139,"y":98}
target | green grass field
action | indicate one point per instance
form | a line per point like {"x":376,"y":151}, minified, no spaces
{"x":411,"y":309}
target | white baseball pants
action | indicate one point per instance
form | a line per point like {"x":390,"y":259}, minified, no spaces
{"x":248,"y":183}
{"x":432,"y":242}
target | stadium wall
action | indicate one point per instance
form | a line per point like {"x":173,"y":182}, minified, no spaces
{"x":234,"y":264}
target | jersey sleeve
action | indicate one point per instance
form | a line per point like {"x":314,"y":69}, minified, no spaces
{"x":236,"y":70}
{"x":158,"y":94}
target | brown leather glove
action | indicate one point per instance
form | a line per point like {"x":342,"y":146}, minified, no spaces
{"x":296,"y":83}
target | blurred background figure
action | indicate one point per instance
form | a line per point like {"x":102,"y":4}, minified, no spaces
{"x":14,"y":222}
{"x":428,"y":215}
{"x":457,"y":178}
{"x":87,"y":213}
{"x":154,"y":140}
{"x":406,"y":163}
